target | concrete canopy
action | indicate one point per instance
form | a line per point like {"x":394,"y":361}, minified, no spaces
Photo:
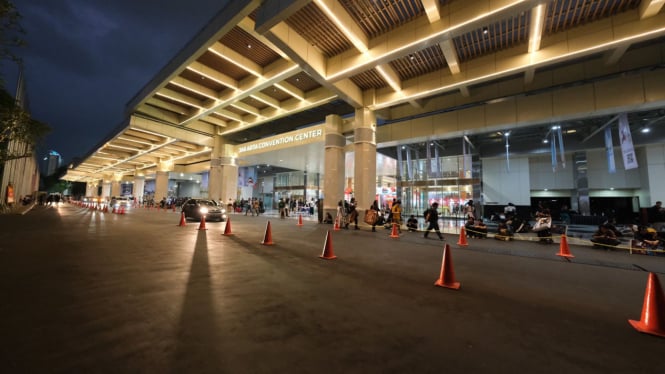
{"x":260,"y":68}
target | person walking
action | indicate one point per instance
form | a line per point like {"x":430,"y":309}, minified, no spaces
{"x":432,"y":218}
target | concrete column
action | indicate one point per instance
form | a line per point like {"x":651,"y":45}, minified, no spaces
{"x":162,"y":180}
{"x":91,"y":189}
{"x":115,"y":187}
{"x":333,"y":178}
{"x":106,"y":188}
{"x":655,"y":158}
{"x":161,"y":185}
{"x":223,"y":178}
{"x":364,"y":170}
{"x":139,"y":187}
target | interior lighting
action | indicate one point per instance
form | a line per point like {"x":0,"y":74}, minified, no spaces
{"x":645,"y":130}
{"x":485,"y":31}
{"x":545,"y":141}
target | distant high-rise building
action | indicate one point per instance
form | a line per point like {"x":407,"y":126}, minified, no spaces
{"x":52,"y":161}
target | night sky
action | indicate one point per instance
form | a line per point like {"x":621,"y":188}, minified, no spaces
{"x":85,"y":59}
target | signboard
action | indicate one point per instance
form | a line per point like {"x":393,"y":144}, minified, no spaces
{"x":289,"y":139}
{"x":629,"y":159}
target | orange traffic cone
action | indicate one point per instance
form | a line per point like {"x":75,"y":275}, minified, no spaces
{"x":106,"y":209}
{"x":336,"y":227}
{"x":183,"y":220}
{"x":328,"y":253}
{"x":564,"y":251}
{"x":462,"y":237}
{"x":122,"y":210}
{"x":394,"y":233}
{"x":299,"y":219}
{"x":113,"y":210}
{"x":653,"y":311}
{"x":227,"y":229}
{"x":447,"y":277}
{"x":202,"y":225}
{"x":267,"y":238}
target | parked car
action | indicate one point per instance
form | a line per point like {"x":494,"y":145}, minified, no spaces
{"x":196,"y":208}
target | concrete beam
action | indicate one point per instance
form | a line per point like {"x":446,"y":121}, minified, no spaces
{"x":176,"y":132}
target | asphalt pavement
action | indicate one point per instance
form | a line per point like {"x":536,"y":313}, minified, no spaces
{"x":88,"y":291}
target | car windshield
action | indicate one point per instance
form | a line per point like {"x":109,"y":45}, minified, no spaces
{"x":207,"y":203}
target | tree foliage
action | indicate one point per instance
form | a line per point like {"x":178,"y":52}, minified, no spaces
{"x":16,"y":125}
{"x":11,"y":32}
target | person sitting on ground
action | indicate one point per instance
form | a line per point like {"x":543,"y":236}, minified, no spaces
{"x":480,"y":228}
{"x":475,"y":228}
{"x":647,"y":237}
{"x":328,"y":219}
{"x":604,"y":238}
{"x":503,"y":232}
{"x":412,"y":224}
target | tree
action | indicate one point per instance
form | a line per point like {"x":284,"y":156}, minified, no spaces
{"x":11,"y":31}
{"x":16,"y":125}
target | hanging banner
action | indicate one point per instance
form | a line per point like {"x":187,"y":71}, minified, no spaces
{"x":629,"y":159}
{"x":466,"y":158}
{"x":435,"y":163}
{"x":561,"y":149}
{"x":507,"y":155}
{"x":553,"y":151}
{"x":400,"y":167}
{"x":409,"y":164}
{"x":609,"y":150}
{"x":463,"y":157}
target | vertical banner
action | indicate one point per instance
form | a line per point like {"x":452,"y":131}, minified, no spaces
{"x":466,"y":157}
{"x":609,"y":150}
{"x":629,"y":159}
{"x":561,"y":149}
{"x":463,"y":157}
{"x":553,"y":151}
{"x":507,"y":154}
{"x":409,"y":165}
{"x":435,"y":163}
{"x":429,"y":172}
{"x":400,"y":164}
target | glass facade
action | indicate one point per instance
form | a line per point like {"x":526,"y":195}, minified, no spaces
{"x":450,"y":181}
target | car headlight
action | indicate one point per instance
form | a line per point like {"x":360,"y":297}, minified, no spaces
{"x":203,"y":210}
{"x":223,"y":211}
